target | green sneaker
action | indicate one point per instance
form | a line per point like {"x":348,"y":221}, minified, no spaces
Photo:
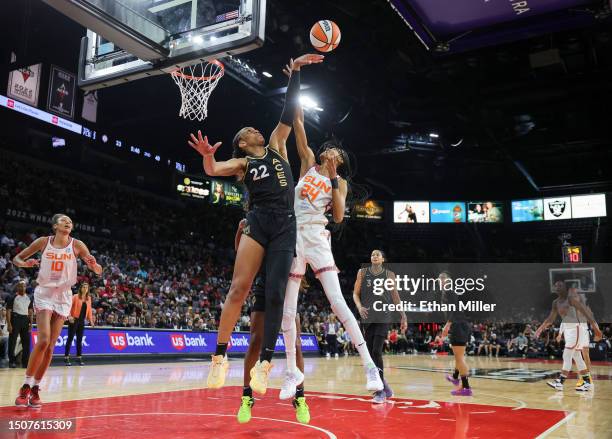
{"x":302,"y":414}
{"x":244,"y":414}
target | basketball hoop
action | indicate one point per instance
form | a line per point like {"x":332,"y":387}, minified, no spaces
{"x":196,"y":83}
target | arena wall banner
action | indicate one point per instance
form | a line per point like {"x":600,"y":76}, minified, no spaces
{"x":142,"y":341}
{"x":43,"y":219}
{"x":24,"y":84}
{"x":62,"y":86}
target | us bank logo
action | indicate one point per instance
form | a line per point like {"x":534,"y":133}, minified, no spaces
{"x":181,"y":341}
{"x":61,"y":340}
{"x":121,"y":340}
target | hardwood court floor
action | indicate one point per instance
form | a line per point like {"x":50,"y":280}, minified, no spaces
{"x":162,"y":400}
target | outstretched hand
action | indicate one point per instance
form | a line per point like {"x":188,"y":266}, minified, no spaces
{"x":296,"y":64}
{"x":202,"y":146}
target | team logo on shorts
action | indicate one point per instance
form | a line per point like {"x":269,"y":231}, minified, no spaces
{"x":246,"y":230}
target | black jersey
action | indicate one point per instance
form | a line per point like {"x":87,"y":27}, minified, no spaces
{"x":372,"y":283}
{"x":269,"y":181}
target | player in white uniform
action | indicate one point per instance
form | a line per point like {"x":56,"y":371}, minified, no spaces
{"x":318,"y":190}
{"x":569,"y":306}
{"x":52,"y":297}
{"x":585,"y":337}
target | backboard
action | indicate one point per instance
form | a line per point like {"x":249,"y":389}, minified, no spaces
{"x":581,"y":278}
{"x":132,"y":39}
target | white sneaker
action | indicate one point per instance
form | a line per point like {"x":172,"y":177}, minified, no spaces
{"x":336,"y":355}
{"x":217,"y":372}
{"x":374,"y":383}
{"x":292,"y":380}
{"x":556,"y":384}
{"x":327,"y":355}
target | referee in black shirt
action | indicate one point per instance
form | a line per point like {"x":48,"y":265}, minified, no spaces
{"x":19,"y":317}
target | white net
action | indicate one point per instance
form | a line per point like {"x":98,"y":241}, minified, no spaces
{"x":196,"y":83}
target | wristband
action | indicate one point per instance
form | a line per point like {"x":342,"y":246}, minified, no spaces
{"x":334,"y":182}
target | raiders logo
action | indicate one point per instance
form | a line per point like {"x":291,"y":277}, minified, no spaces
{"x":557,"y":208}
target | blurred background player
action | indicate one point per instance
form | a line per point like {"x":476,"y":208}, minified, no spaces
{"x":377,"y":326}
{"x":459,"y":330}
{"x":270,"y":230}
{"x":52,"y":297}
{"x":569,"y":306}
{"x":321,"y":187}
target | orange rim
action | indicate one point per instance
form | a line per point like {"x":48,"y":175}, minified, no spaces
{"x":178,"y":72}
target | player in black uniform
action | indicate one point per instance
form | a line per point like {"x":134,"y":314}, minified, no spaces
{"x":459,"y":329}
{"x":376,"y":326}
{"x":270,"y":230}
{"x":258,"y":313}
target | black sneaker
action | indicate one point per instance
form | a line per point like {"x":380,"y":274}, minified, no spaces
{"x":81,"y":362}
{"x":12,"y":365}
{"x":67,"y":361}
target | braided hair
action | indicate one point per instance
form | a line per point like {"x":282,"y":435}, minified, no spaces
{"x":356,"y":193}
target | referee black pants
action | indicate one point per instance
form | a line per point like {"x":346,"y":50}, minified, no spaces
{"x":21,"y":328}
{"x":77,"y":327}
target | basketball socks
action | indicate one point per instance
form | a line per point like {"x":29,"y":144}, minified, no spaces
{"x":464,"y":382}
{"x":456,"y":374}
{"x":266,"y":355}
{"x":299,"y":392}
{"x":587,"y":378}
{"x":37,"y":382}
{"x":29,"y":381}
{"x":562,"y":378}
{"x":247,"y":391}
{"x":221,"y":349}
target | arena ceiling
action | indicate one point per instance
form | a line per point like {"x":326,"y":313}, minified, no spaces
{"x":524,"y":116}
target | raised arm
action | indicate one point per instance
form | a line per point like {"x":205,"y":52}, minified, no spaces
{"x":278,"y":138}
{"x":88,"y":258}
{"x":21,"y":259}
{"x":213,"y":168}
{"x":339,"y":191}
{"x":307,"y":157}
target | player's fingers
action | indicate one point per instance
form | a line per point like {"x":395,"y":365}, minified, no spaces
{"x":192,"y":145}
{"x":200,"y":136}
{"x":194,"y":138}
{"x":217,"y":145}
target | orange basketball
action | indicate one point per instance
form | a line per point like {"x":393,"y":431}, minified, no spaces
{"x":325,"y":35}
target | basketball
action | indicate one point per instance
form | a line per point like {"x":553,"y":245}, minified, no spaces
{"x":325,"y":35}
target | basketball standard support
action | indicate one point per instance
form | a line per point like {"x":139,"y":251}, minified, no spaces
{"x":127,"y":34}
{"x":132,"y":39}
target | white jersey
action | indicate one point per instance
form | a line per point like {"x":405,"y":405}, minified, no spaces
{"x":313,"y":197}
{"x":58,"y":267}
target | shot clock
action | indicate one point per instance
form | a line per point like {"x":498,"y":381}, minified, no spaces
{"x":572,"y":254}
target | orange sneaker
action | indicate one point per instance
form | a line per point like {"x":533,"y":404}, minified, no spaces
{"x":35,"y":401}
{"x":23,"y":397}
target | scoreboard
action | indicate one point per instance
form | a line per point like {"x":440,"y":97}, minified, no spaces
{"x":572,"y":254}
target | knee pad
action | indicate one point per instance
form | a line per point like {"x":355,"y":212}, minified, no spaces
{"x":579,"y":360}
{"x":568,"y":354}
